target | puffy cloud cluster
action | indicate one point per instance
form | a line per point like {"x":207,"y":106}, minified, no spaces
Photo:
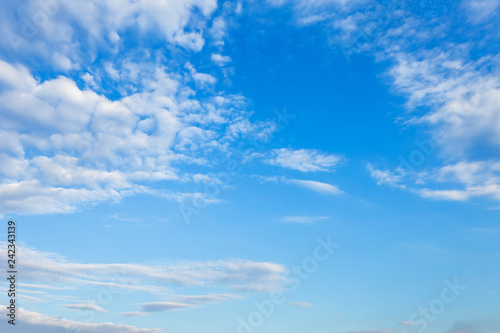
{"x":63,"y":146}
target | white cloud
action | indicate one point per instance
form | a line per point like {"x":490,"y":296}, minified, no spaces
{"x":480,"y":11}
{"x":312,"y":185}
{"x":320,"y":187}
{"x":303,"y":219}
{"x":386,"y":177}
{"x":28,"y":322}
{"x":461,"y":181}
{"x":236,"y":274}
{"x":85,"y":306}
{"x":219,"y":59}
{"x":30,"y":298}
{"x":164,"y":306}
{"x":203,"y":299}
{"x":85,"y":148}
{"x":305,"y":160}
{"x":77,"y":28}
{"x":133,"y":314}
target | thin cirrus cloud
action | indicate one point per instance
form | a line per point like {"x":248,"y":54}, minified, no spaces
{"x":323,"y":188}
{"x":30,"y":321}
{"x":303,"y":219}
{"x":305,"y":160}
{"x":85,"y":306}
{"x":320,"y":187}
{"x":204,"y":299}
{"x":232,"y":274}
{"x":165,"y":306}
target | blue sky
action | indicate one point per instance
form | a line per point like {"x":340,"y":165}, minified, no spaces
{"x":328,"y":166}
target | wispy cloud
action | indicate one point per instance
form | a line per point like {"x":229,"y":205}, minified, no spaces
{"x":323,"y":188}
{"x":29,"y":321}
{"x":164,"y":306}
{"x":305,"y":160}
{"x":303,"y":219}
{"x":320,"y":187}
{"x":85,"y":306}
{"x":236,"y":274}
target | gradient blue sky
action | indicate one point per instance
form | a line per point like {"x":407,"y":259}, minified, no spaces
{"x":171,"y":163}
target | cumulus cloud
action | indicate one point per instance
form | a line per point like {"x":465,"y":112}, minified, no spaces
{"x":79,"y":27}
{"x":219,"y":59}
{"x":64,"y":147}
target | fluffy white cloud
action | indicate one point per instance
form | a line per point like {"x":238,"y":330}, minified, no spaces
{"x":64,"y":147}
{"x":78,"y":27}
{"x":305,"y":160}
{"x":219,"y":59}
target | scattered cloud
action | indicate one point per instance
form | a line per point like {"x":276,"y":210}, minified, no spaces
{"x":85,"y":148}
